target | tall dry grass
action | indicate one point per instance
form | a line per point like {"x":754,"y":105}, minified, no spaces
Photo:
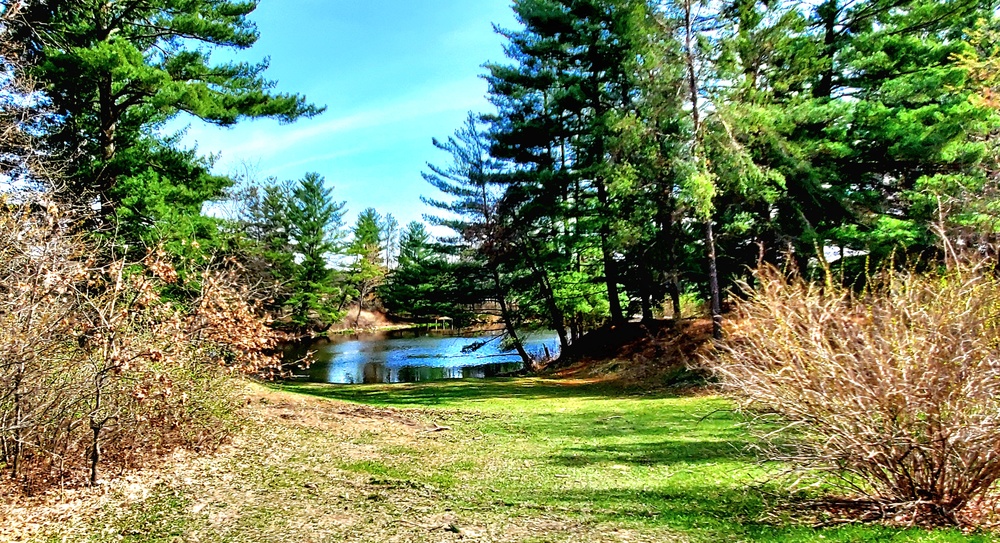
{"x":896,"y":392}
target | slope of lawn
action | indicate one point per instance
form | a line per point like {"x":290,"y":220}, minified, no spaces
{"x":500,"y":460}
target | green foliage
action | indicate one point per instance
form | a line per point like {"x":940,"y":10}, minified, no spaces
{"x":425,"y":284}
{"x":115,"y":72}
{"x":314,"y":221}
{"x":633,"y":138}
{"x":368,"y":269}
{"x":287,"y":235}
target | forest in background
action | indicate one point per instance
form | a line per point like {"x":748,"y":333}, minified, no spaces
{"x":645,"y":153}
{"x":641,"y":153}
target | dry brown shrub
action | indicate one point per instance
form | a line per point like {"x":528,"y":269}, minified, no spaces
{"x":896,"y":392}
{"x":97,"y":371}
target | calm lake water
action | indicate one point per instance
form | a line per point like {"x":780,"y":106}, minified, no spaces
{"x":411,"y":356}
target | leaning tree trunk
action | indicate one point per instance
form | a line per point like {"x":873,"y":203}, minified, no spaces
{"x":508,"y":321}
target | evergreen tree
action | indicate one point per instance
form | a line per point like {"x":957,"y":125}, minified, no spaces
{"x":368,"y":270}
{"x":471,"y":210}
{"x":116,"y":71}
{"x":560,"y":108}
{"x":263,"y":234}
{"x":863,"y":110}
{"x":315,"y":221}
{"x":424,"y":284}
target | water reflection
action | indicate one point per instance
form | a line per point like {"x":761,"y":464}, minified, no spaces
{"x":409,"y":356}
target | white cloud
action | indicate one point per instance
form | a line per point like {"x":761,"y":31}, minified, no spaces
{"x":267,"y":141}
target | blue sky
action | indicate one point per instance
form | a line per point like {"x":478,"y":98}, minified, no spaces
{"x":392,"y":73}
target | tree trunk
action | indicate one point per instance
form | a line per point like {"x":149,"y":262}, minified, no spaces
{"x":827,"y":12}
{"x":95,"y":452}
{"x":361,"y":301}
{"x":713,"y":282}
{"x":610,"y":266}
{"x":105,"y":178}
{"x":18,"y":415}
{"x":508,"y":320}
{"x":545,"y":286}
{"x":95,"y":426}
{"x":647,"y":308}
{"x":556,"y":314}
{"x":675,"y":296}
{"x":713,"y":274}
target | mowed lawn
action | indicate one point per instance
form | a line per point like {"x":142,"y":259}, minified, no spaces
{"x":501,"y":460}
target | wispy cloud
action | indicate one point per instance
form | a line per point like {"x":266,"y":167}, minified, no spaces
{"x":311,"y":159}
{"x":257,"y":141}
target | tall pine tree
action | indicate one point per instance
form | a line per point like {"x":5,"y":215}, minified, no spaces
{"x":115,"y":71}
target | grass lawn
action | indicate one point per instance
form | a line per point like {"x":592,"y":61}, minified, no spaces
{"x":502,"y":460}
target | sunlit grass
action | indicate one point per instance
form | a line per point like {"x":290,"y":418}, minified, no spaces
{"x":646,"y":462}
{"x":521,"y":460}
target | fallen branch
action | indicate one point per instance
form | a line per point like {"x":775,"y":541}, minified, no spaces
{"x":437,"y":428}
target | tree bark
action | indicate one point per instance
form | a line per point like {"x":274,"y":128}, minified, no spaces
{"x":610,"y":265}
{"x":545,"y":286}
{"x":675,"y":296}
{"x":827,"y":13}
{"x":508,"y":320}
{"x":95,"y":426}
{"x":713,"y":282}
{"x":361,"y":301}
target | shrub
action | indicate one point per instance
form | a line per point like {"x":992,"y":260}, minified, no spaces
{"x":896,"y":391}
{"x":97,"y":370}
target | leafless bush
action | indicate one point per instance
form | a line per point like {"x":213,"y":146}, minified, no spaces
{"x":97,"y":369}
{"x":24,"y":113}
{"x":896,"y":392}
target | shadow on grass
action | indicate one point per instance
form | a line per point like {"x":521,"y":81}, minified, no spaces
{"x":653,"y":453}
{"x":468,"y":391}
{"x":706,"y":512}
{"x":678,"y":465}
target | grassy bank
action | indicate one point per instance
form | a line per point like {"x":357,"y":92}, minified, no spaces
{"x":506,"y":460}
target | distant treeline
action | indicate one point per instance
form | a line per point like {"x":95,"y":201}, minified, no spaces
{"x":641,"y":154}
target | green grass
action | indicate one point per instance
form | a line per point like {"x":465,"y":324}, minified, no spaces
{"x":605,"y":455}
{"x":524,"y":460}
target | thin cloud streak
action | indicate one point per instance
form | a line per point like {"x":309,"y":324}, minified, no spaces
{"x":259,"y":142}
{"x":276,"y":170}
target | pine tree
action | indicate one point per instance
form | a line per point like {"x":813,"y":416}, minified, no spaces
{"x":116,"y":71}
{"x":315,"y":221}
{"x":560,"y":107}
{"x":471,"y":210}
{"x":368,"y":270}
{"x":424,"y":284}
{"x":863,"y":109}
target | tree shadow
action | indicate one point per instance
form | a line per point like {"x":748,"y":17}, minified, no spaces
{"x":710,"y":512}
{"x":658,"y":452}
{"x":466,"y":391}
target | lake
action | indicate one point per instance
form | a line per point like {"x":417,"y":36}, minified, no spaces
{"x":413,"y":355}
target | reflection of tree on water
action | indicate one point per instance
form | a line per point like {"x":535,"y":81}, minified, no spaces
{"x":374,"y":373}
{"x":386,"y":358}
